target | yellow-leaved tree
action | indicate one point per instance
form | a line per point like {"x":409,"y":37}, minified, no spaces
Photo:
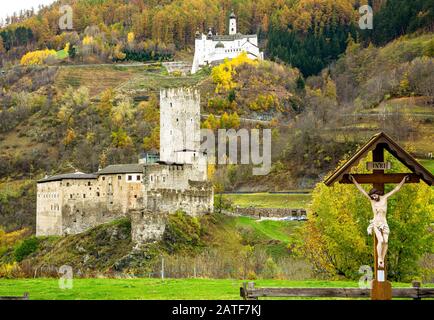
{"x":130,"y":37}
{"x":222,"y":74}
{"x":37,"y":57}
{"x":152,"y":142}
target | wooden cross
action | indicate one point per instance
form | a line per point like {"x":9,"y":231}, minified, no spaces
{"x":381,"y":288}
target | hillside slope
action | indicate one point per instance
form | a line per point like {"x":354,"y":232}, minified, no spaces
{"x":243,"y":245}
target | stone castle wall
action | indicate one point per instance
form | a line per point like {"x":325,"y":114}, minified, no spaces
{"x":73,"y":203}
{"x":72,"y":206}
{"x":147,"y":226}
{"x":179,"y":125}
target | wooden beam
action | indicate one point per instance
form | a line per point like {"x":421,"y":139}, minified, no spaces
{"x":378,"y":156}
{"x":380,"y":178}
{"x":308,"y":292}
{"x":415,"y":293}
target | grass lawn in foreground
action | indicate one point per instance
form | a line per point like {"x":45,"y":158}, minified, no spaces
{"x":270,"y":200}
{"x":146,"y":288}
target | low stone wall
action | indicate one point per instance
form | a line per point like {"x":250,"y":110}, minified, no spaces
{"x":270,"y":212}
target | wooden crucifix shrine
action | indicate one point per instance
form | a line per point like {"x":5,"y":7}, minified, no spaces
{"x":381,"y":288}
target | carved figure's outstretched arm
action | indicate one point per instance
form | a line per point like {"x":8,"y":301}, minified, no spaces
{"x":359,"y":187}
{"x":396,"y":189}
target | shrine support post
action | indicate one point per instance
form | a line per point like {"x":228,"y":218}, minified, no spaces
{"x":381,"y":287}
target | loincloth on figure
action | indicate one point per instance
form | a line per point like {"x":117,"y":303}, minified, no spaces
{"x":383,"y":227}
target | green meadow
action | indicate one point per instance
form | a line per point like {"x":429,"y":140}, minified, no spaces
{"x":270,"y":200}
{"x":149,"y":288}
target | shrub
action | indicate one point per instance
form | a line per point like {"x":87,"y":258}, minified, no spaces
{"x":10,"y":270}
{"x":25,"y":248}
{"x":182,"y":233}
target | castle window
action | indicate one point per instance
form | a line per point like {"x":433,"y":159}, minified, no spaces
{"x":130,"y":178}
{"x":138,"y":178}
{"x":135,"y":196}
{"x":70,"y":196}
{"x":103,"y":178}
{"x":67,"y":184}
{"x":177,"y":120}
{"x":84,"y":196}
{"x":97,"y":194}
{"x":119,"y":177}
{"x":164,"y":179}
{"x":152,"y":178}
{"x":88,"y":184}
{"x":171,"y":104}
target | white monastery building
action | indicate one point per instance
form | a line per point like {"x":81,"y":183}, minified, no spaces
{"x":213,"y":48}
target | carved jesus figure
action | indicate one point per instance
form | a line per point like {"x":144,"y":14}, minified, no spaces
{"x":379,"y":223}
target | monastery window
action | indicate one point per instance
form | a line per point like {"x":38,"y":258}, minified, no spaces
{"x":67,"y":184}
{"x":138,"y":178}
{"x":177,"y":120}
{"x":171,"y":105}
{"x":70,"y":196}
{"x":97,"y":194}
{"x":119,"y":177}
{"x":88,"y":184}
{"x":103,"y":178}
{"x":164,"y":179}
{"x":130,"y":178}
{"x":135,"y":196}
{"x":152,"y":178}
{"x":84,"y":196}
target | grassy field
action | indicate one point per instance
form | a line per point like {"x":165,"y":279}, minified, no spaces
{"x":270,"y":200}
{"x":151,"y":81}
{"x":139,"y":288}
{"x":97,"y":78}
{"x":268,"y":229}
{"x":428,"y":163}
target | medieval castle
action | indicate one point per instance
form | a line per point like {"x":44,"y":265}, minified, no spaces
{"x":213,"y":48}
{"x":146,"y":191}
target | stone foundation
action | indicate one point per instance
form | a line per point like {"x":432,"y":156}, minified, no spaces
{"x":147,"y":226}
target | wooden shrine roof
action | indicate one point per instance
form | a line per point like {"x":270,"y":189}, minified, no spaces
{"x":393,"y":148}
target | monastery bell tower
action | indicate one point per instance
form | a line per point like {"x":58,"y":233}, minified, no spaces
{"x":232,"y":23}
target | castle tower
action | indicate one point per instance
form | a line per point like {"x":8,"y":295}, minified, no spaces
{"x":232,"y":24}
{"x":179,"y":125}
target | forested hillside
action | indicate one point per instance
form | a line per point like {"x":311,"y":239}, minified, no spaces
{"x":79,"y":99}
{"x":308,"y":34}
